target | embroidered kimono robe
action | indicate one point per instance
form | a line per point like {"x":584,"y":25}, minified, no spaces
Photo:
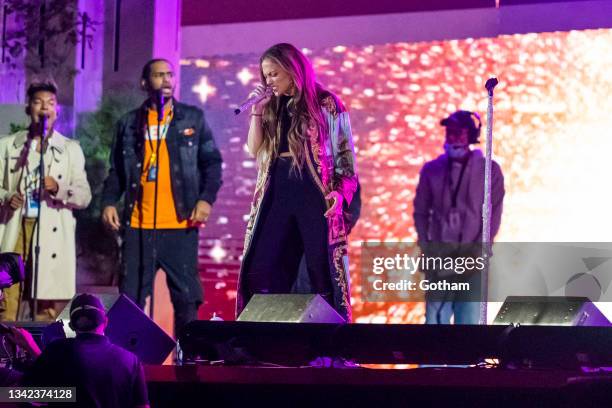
{"x":330,"y":160}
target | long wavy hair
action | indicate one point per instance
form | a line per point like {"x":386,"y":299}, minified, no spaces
{"x":304,"y":106}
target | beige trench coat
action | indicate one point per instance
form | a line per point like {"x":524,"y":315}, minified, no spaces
{"x":64,"y":161}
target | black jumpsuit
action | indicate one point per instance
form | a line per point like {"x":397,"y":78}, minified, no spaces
{"x":291,"y":224}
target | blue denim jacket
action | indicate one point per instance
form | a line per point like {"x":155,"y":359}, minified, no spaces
{"x":195,"y":160}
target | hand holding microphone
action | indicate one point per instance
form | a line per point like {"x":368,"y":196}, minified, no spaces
{"x":39,"y":126}
{"x":256,"y":100}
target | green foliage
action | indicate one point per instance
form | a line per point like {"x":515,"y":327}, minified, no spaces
{"x":97,"y":248}
{"x":95,"y":133}
{"x":17,"y":127}
{"x":61,"y":28}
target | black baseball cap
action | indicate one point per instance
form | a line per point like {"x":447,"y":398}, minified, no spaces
{"x":462,"y":119}
{"x":465,"y":120}
{"x":86,"y":312}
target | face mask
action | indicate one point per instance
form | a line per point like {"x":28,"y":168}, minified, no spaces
{"x":456,"y":151}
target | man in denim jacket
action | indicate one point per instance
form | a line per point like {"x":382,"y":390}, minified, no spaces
{"x":185,"y":168}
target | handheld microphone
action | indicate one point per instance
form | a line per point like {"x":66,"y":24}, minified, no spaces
{"x":252,"y":101}
{"x":43,"y":118}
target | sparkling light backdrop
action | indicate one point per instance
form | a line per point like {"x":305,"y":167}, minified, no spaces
{"x":552,"y":132}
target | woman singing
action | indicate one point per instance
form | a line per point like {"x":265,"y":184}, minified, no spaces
{"x":301,"y":137}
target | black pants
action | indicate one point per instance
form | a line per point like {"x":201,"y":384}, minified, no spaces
{"x":177,"y":255}
{"x":291,"y":224}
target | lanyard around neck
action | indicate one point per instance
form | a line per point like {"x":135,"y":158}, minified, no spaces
{"x":455,"y":191}
{"x":162,"y":131}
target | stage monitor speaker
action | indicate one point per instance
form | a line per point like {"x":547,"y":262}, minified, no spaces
{"x":289,"y":308}
{"x":550,"y":311}
{"x":129,"y":327}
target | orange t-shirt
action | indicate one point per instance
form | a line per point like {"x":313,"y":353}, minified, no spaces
{"x":142,"y":215}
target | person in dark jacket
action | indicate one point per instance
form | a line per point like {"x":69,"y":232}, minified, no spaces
{"x":169,"y":170}
{"x":103,"y":374}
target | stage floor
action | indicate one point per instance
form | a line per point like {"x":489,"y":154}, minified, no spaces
{"x":172,"y":386}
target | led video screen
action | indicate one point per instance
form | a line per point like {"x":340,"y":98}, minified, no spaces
{"x":551,"y":135}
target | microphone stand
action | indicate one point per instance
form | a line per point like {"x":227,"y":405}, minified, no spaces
{"x":41,"y":180}
{"x":159,"y":102}
{"x":486,"y":207}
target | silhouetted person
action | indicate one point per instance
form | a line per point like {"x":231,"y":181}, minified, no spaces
{"x":104,"y":375}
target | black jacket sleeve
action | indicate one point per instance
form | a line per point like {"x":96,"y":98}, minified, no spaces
{"x":209,"y":162}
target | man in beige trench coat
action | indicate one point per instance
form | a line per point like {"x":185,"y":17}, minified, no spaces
{"x":65,"y":188}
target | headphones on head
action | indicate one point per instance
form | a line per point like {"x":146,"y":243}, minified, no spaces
{"x":474,"y":133}
{"x":467,"y":120}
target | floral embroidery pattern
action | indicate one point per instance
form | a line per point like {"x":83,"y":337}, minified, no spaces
{"x":340,"y":252}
